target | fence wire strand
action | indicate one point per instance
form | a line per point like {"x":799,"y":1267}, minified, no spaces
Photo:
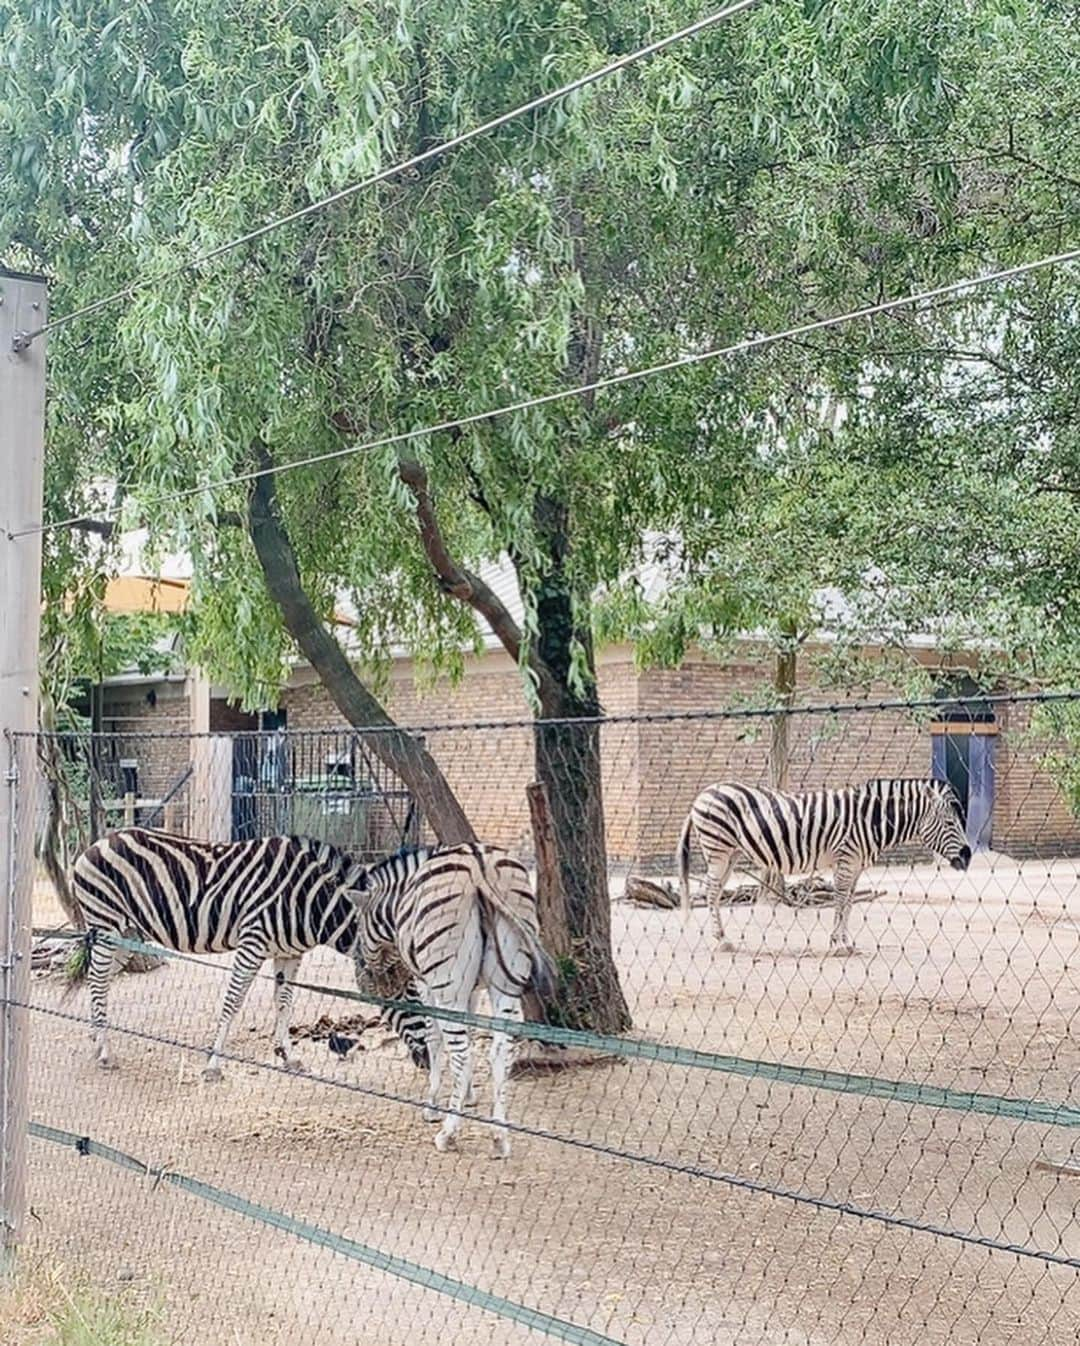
{"x":770,"y":1145}
{"x":779,"y":1072}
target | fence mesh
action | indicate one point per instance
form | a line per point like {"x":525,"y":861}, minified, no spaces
{"x":781,"y":1146}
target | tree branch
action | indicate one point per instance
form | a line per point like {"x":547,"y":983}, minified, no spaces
{"x":458,"y":582}
{"x":1053,"y":173}
{"x":405,"y":755}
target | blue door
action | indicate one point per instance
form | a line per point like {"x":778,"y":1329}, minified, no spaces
{"x":966,"y":761}
{"x":980,"y":812}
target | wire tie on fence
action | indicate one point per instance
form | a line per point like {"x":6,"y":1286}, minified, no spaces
{"x":160,"y":1175}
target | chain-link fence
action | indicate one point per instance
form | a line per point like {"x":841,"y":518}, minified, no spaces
{"x":760,"y":1146}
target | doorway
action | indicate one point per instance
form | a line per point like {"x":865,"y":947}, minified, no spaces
{"x":964,"y":741}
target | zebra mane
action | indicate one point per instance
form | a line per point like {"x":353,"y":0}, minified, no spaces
{"x":931,"y":783}
{"x":406,"y":857}
{"x":335,"y":859}
{"x":927,"y":785}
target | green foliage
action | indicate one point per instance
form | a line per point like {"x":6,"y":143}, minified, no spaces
{"x":138,"y":640}
{"x":801,"y":159}
{"x":84,"y":644}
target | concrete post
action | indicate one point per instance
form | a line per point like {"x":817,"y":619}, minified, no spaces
{"x":22,"y":439}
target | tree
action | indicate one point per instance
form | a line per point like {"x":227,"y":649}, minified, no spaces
{"x":802,"y":158}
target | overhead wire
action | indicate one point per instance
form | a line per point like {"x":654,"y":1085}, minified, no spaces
{"x":414,"y":161}
{"x":686,"y":361}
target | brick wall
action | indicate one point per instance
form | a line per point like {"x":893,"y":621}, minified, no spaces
{"x":138,"y":730}
{"x":227,"y":718}
{"x":1031,"y":815}
{"x":488,"y":769}
{"x":679,"y":758}
{"x":651,"y":771}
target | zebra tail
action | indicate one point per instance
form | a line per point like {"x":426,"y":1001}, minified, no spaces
{"x":543,"y":975}
{"x":682,"y":865}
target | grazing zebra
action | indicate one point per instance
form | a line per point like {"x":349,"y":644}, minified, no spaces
{"x":461,"y":918}
{"x":276,"y":897}
{"x":796,"y":833}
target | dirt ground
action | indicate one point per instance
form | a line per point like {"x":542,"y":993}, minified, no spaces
{"x":968,"y":981}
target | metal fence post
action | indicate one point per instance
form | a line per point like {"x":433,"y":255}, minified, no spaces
{"x":22,"y":423}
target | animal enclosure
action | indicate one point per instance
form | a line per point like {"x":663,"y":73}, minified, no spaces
{"x":784,"y":1146}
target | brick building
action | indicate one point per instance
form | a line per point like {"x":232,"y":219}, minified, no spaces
{"x":231,"y":776}
{"x":652,"y":767}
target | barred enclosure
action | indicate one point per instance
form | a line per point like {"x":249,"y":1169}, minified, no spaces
{"x":783,"y":1146}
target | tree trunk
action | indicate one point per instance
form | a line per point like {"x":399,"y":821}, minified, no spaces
{"x":784,"y":681}
{"x":52,"y":770}
{"x":550,"y":903}
{"x":568,"y":766}
{"x":408,"y":759}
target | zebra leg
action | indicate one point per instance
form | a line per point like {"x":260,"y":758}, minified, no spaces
{"x":249,"y":958}
{"x":844,"y":880}
{"x":470,"y":1097}
{"x":503,"y":1051}
{"x":102,"y":963}
{"x":456,"y":1040}
{"x":413,"y":1029}
{"x":285,"y":970}
{"x":435,"y":1044}
{"x":432,"y":1113}
{"x":717,"y":876}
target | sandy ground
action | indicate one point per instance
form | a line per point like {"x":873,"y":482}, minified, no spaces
{"x":967,"y":981}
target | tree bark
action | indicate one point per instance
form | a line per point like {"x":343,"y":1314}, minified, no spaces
{"x":572,"y":860}
{"x":550,"y":901}
{"x":408,"y":759}
{"x":52,"y":770}
{"x":784,"y":682}
{"x":568,"y":765}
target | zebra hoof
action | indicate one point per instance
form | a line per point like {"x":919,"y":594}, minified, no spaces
{"x":500,"y":1147}
{"x":295,"y":1066}
{"x":432,"y":1115}
{"x":842,"y":950}
{"x":443,"y":1142}
{"x":105,"y":1063}
{"x":726,"y":946}
{"x":212,"y":1074}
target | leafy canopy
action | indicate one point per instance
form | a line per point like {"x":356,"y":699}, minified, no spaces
{"x":801,"y":159}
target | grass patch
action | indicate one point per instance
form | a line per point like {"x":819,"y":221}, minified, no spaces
{"x":44,"y":1307}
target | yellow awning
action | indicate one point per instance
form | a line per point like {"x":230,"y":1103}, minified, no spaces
{"x":139,"y":593}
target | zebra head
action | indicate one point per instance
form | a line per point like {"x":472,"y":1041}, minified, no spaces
{"x":942,"y":825}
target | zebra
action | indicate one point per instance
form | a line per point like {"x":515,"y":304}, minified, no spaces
{"x":460,"y":918}
{"x":795,"y":833}
{"x":276,"y":897}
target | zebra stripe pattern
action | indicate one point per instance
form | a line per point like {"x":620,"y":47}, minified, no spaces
{"x":798,"y":833}
{"x":276,"y":897}
{"x":461,"y":919}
